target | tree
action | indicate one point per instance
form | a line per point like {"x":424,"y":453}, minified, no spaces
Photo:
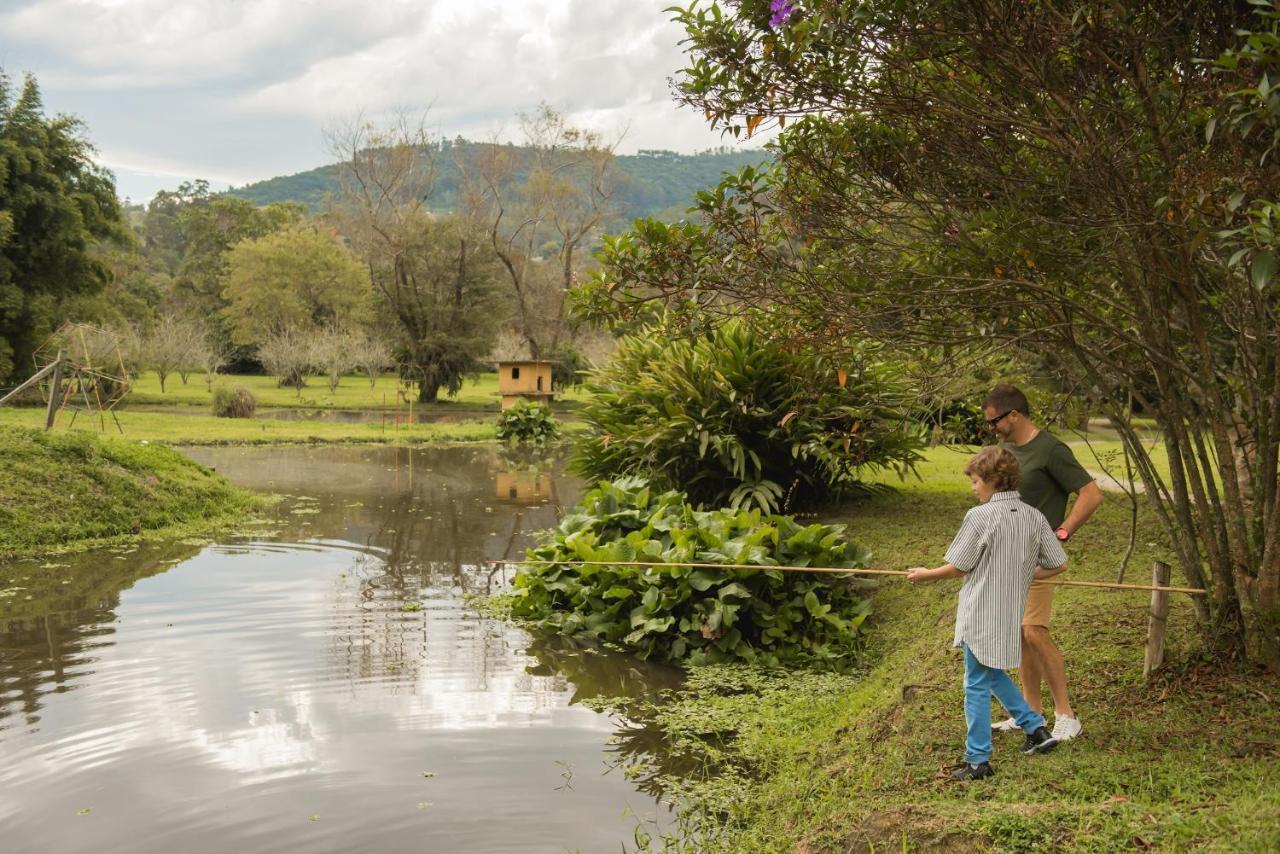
{"x":436,"y":279}
{"x":541,"y":205}
{"x":209,"y":227}
{"x":214,"y":356}
{"x":1092,"y":185}
{"x":173,"y":343}
{"x":370,"y":354}
{"x":331,"y":351}
{"x":56,"y":206}
{"x":287,"y":357}
{"x":301,"y":278}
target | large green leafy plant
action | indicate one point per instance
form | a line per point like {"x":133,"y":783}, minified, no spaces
{"x":766,"y":616}
{"x":527,"y":423}
{"x":736,"y":419}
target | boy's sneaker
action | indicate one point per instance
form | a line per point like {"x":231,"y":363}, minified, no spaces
{"x":1040,"y":741}
{"x":1006,"y":725}
{"x":1066,"y":727}
{"x":967,"y":772}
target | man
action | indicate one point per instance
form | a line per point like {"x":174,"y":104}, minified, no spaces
{"x":1050,"y":474}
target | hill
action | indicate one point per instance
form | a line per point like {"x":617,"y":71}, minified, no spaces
{"x":650,"y":183}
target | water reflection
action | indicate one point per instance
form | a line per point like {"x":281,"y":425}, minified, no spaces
{"x":318,"y":686}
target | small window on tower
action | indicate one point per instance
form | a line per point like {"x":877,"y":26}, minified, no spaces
{"x":515,"y":373}
{"x":539,"y":383}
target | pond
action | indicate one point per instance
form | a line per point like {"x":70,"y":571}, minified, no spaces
{"x":319,"y":685}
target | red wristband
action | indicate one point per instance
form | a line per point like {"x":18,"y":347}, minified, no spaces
{"x":1062,"y":535}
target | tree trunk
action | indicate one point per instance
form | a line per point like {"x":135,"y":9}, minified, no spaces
{"x":428,"y":392}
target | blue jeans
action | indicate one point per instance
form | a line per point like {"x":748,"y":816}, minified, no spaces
{"x":980,"y":682}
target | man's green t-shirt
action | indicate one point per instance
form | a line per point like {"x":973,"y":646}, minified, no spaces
{"x":1050,"y":473}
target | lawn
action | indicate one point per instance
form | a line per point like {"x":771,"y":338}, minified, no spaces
{"x":354,"y":392}
{"x":174,"y":428}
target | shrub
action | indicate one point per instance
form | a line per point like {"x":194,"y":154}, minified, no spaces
{"x":529,"y":423}
{"x":955,"y":422}
{"x":735,"y":419}
{"x":698,"y":615}
{"x":236,"y":402}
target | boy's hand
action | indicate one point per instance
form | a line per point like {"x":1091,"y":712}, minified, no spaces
{"x":916,"y":574}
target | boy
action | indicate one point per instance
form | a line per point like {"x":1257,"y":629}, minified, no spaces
{"x":1002,"y":545}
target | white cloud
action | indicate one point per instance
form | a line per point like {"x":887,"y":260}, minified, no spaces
{"x":476,"y":68}
{"x":162,"y":43}
{"x":241,"y":90}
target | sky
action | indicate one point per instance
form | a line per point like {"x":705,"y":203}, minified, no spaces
{"x":236,"y":91}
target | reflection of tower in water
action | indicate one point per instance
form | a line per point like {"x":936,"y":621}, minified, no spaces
{"x":522,"y":487}
{"x":409,"y":633}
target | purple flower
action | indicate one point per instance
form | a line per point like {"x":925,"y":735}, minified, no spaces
{"x":782,"y":12}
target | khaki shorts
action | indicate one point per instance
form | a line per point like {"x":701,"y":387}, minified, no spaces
{"x":1039,"y":604}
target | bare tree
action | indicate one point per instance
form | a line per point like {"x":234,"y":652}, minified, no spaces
{"x":215,"y":354}
{"x":371,"y":354}
{"x":332,"y":352}
{"x":540,"y":205}
{"x":286,"y":356}
{"x":168,"y":346}
{"x":510,"y":345}
{"x":193,"y":357}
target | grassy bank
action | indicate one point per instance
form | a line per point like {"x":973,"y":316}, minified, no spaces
{"x":60,"y":491}
{"x":858,"y":763}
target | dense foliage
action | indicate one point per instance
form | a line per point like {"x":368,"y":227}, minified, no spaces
{"x":688,"y":614}
{"x":1094,"y":184}
{"x":527,"y":423}
{"x":56,"y":205}
{"x":300,"y":278}
{"x":734,"y":418}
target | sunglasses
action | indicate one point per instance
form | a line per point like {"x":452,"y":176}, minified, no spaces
{"x":991,"y":422}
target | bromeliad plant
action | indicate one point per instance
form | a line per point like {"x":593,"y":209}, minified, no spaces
{"x":737,"y":419}
{"x":527,"y":423}
{"x":695,"y":615}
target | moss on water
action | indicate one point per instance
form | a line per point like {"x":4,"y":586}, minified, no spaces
{"x":62,"y":491}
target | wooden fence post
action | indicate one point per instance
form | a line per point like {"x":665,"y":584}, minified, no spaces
{"x":1160,"y":573}
{"x":55,"y":391}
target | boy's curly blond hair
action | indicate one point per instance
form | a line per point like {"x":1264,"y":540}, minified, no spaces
{"x":997,"y":467}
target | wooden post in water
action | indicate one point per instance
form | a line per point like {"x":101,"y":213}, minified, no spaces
{"x":55,"y":387}
{"x":1160,"y":573}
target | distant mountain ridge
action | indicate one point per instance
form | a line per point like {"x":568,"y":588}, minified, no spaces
{"x":653,"y":183}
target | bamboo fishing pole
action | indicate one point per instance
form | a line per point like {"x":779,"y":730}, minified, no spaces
{"x":1109,"y":585}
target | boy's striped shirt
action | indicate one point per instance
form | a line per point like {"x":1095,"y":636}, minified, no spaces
{"x":998,"y":548}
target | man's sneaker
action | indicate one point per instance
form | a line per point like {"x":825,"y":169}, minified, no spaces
{"x":1066,"y":727}
{"x":1040,"y":741}
{"x":1006,"y":725}
{"x":967,"y":772}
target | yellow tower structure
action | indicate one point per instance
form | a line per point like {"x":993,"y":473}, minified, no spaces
{"x":529,"y":380}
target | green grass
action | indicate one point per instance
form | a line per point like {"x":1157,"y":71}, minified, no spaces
{"x":183,"y":414}
{"x":60,"y":490}
{"x":354,"y":392}
{"x":1188,"y":761}
{"x":174,"y":429}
